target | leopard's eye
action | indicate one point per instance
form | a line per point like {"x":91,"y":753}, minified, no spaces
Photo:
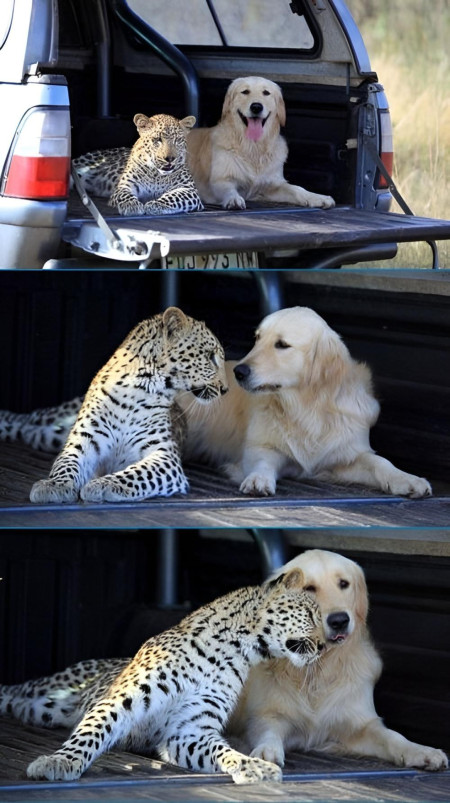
{"x":156,"y":141}
{"x":213,"y":358}
{"x":281,"y":344}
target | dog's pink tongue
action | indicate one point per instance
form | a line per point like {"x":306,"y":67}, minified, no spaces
{"x":254,"y":128}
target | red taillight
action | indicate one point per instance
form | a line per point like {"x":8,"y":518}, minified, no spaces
{"x":39,"y":167}
{"x":386,"y":147}
{"x":38,"y":177}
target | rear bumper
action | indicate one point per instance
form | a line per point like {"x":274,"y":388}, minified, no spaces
{"x":30,"y":231}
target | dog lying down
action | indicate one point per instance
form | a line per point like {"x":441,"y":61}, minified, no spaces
{"x":329,"y":706}
{"x":298,"y":406}
{"x":242,"y":157}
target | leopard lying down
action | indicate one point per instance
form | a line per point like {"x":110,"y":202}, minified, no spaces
{"x":176,"y":695}
{"x":125,"y":443}
{"x":151,"y":178}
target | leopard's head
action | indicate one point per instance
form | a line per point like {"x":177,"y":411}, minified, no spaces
{"x":290,"y":622}
{"x":162,"y":141}
{"x":192,"y":357}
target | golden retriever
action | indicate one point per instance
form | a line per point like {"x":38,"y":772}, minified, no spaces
{"x":298,"y":405}
{"x":242,"y":157}
{"x":327,"y":707}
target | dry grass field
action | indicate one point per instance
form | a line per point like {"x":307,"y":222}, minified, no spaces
{"x":408,"y":48}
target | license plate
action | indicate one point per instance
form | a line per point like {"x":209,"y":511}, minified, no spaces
{"x":242,"y":259}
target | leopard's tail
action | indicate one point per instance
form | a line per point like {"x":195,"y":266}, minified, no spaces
{"x":60,"y":699}
{"x":45,"y":429}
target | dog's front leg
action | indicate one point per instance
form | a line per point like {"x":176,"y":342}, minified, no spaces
{"x":374,"y":471}
{"x":377,"y":741}
{"x":261,"y":467}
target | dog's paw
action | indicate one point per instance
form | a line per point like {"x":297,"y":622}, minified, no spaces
{"x":258,"y":485}
{"x":51,"y":491}
{"x":235,"y":202}
{"x":55,"y":768}
{"x":403,"y":484}
{"x":270,"y":751}
{"x":424,"y":758}
{"x":326,"y":202}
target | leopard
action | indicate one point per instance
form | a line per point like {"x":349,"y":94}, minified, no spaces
{"x":151,"y":178}
{"x":175,"y":697}
{"x":126,"y":441}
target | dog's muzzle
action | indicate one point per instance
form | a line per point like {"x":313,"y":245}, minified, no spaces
{"x":337,"y":626}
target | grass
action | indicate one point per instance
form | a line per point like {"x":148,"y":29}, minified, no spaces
{"x":409,"y":52}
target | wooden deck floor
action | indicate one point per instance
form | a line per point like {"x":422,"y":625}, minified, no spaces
{"x":214,"y":502}
{"x":125,"y":776}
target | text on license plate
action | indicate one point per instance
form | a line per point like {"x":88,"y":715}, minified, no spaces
{"x":242,"y":259}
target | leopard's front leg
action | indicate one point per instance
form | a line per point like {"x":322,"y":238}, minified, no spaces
{"x":71,"y":470}
{"x":107,"y":722}
{"x":210,"y":752}
{"x":159,"y":473}
{"x":126,"y":201}
{"x":181,"y":199}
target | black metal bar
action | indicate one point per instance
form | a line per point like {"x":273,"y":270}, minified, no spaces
{"x":175,"y":59}
{"x":272,"y":548}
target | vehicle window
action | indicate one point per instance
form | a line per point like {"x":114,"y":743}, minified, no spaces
{"x":240,"y":23}
{"x":6,"y":13}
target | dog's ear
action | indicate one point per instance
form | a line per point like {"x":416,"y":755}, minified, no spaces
{"x":361,"y":596}
{"x":329,"y":360}
{"x":188,"y":122}
{"x":174,"y":322}
{"x":229,"y":98}
{"x":280,"y":108}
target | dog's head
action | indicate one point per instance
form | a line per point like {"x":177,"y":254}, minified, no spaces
{"x":294,"y":348}
{"x":338,"y":586}
{"x":257,"y":104}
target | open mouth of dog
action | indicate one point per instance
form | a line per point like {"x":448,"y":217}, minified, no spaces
{"x":337,"y":638}
{"x":254,"y":126}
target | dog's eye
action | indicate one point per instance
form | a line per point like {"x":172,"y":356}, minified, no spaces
{"x":343,"y":584}
{"x":245,"y":92}
{"x":312,"y":589}
{"x":281,"y":344}
{"x":266,"y":92}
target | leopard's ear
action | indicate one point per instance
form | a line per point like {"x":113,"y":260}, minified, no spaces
{"x":174,"y":321}
{"x":188,"y":122}
{"x":294,"y":579}
{"x":141,"y":121}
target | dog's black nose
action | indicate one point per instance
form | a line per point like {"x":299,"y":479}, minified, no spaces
{"x":338,"y":621}
{"x":241,"y":371}
{"x":256,"y":108}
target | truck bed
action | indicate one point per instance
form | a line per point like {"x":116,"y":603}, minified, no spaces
{"x":257,"y":228}
{"x":119,"y":775}
{"x":214,"y":502}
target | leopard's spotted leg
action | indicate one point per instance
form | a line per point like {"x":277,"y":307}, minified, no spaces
{"x":108,"y":721}
{"x":181,"y":199}
{"x":210,"y":752}
{"x":75,"y":466}
{"x":126,"y":201}
{"x":157,"y":474}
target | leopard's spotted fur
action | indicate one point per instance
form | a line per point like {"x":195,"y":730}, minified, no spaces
{"x":151,"y":178}
{"x":176,"y":695}
{"x":125,"y":443}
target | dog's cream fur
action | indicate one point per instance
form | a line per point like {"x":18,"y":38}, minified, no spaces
{"x":242,"y":157}
{"x":328,"y":707}
{"x":303,"y":407}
